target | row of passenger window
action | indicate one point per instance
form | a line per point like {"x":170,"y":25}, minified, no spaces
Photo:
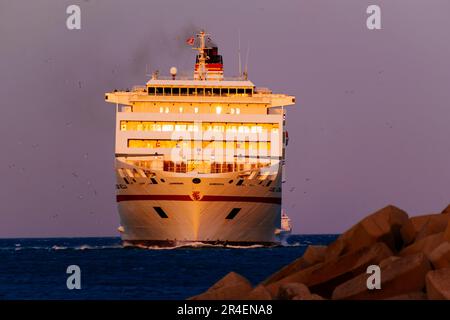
{"x":194,"y":91}
{"x":195,"y":127}
{"x":216,"y":145}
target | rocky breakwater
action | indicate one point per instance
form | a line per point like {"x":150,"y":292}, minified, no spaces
{"x":411,"y":254}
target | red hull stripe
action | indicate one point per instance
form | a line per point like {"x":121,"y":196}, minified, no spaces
{"x":137,"y":197}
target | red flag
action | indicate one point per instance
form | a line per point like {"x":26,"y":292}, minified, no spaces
{"x":190,"y":41}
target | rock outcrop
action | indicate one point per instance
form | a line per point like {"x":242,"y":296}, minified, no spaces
{"x":412,"y":256}
{"x":400,"y":276}
{"x":259,"y":293}
{"x":438,"y":284}
{"x":231,"y":287}
{"x":312,"y":256}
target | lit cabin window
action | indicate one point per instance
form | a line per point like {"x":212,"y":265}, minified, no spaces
{"x":161,"y":109}
{"x":218,"y":110}
{"x":123,"y":126}
{"x":167,"y":127}
{"x":243,"y":129}
{"x":139,"y":126}
{"x":196,"y":109}
{"x":238,"y":111}
{"x":181,"y":109}
{"x":180,"y":127}
{"x":232,"y":111}
{"x":155,"y":127}
{"x":256,"y":129}
{"x":193,"y":128}
{"x":218,"y":128}
{"x":167,"y":109}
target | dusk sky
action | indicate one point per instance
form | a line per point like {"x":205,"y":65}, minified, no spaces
{"x":371,"y":126}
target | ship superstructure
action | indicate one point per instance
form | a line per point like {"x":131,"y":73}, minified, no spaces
{"x":199,"y":159}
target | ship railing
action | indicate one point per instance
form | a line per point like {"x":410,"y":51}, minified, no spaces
{"x":184,"y":77}
{"x":139,"y":89}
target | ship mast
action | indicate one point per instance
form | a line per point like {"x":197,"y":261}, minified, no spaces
{"x":201,"y":55}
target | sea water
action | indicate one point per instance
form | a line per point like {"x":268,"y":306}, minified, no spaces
{"x":36,"y":268}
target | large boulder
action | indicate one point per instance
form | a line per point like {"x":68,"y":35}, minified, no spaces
{"x":430,"y":224}
{"x":390,"y":225}
{"x":298,"y":277}
{"x":440,"y":256}
{"x":292,"y":290}
{"x":323,"y":277}
{"x":231,"y":287}
{"x":447,"y":233}
{"x":398,"y":277}
{"x":425,"y":245}
{"x":312,"y":256}
{"x":418,"y":295}
{"x":438,"y":284}
{"x":259,"y":293}
{"x":313,"y":297}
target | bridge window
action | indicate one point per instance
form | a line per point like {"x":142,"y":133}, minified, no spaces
{"x":184,"y":91}
{"x":151,"y":90}
{"x":175,"y":91}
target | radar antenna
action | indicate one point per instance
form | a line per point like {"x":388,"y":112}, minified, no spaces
{"x":201,"y":55}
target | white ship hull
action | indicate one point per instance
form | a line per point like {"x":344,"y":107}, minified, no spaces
{"x":198,"y":212}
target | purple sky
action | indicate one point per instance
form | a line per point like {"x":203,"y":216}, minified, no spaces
{"x":371,"y":126}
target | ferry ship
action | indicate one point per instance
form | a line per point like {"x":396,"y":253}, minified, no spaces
{"x":285,"y":229}
{"x":200,"y":158}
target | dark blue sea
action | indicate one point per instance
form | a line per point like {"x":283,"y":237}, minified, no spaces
{"x":36,"y":268}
